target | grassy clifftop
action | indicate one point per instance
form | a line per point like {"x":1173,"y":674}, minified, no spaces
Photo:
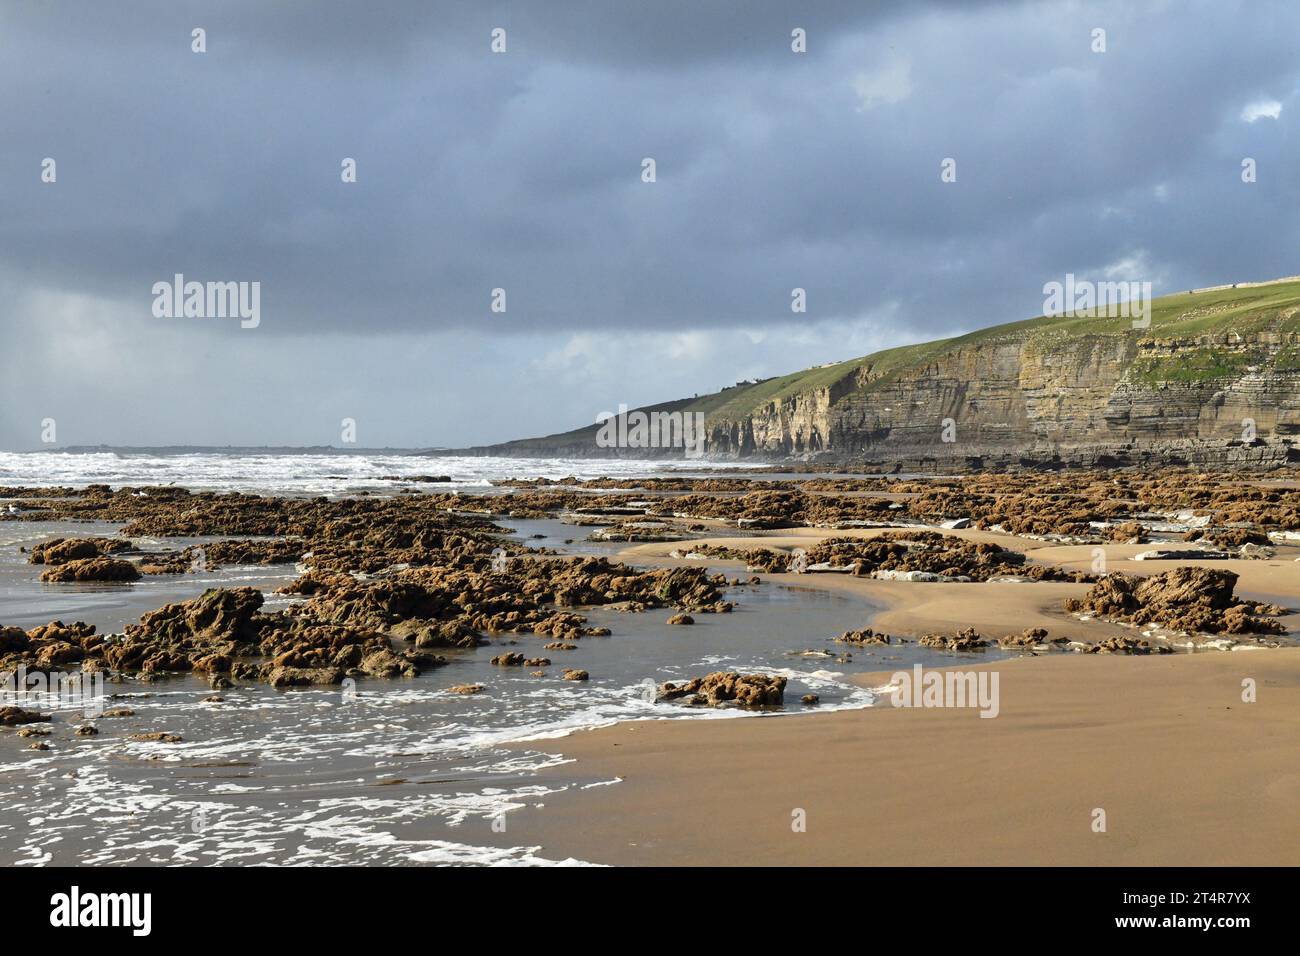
{"x":1257,"y":308}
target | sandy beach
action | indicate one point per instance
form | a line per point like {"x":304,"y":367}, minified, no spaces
{"x":1185,"y":770}
{"x":1186,"y":773}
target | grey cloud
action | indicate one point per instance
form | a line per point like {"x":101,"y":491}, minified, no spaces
{"x":522,"y":171}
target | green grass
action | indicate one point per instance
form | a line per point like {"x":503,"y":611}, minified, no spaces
{"x":1197,"y":365}
{"x":1287,"y":359}
{"x":740,"y":402}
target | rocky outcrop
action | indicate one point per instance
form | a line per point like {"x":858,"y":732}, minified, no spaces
{"x":1186,"y":599}
{"x":378,"y":577}
{"x":866,"y":638}
{"x":16,"y":717}
{"x":223,"y":635}
{"x":92,"y":569}
{"x":727,"y":687}
{"x":62,"y":550}
{"x":967,"y":639}
{"x":219,"y":615}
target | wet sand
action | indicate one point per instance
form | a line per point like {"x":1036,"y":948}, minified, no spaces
{"x":1186,"y":773}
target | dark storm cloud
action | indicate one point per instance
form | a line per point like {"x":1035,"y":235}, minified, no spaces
{"x":522,"y":171}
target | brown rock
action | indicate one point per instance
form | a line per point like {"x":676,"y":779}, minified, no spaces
{"x":724,"y":687}
{"x":384,"y":663}
{"x":282,"y":676}
{"x":13,"y":639}
{"x":1127,"y":645}
{"x":57,"y":654}
{"x":863,"y":638}
{"x":15,"y":716}
{"x":1183,"y":598}
{"x":967,"y":639}
{"x":92,"y":569}
{"x":62,"y":550}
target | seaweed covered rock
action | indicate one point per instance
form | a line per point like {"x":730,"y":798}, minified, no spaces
{"x":967,"y":639}
{"x":1183,"y":598}
{"x":217,"y":615}
{"x":864,"y":638}
{"x":205,"y":633}
{"x":50,"y":647}
{"x":17,"y":716}
{"x":13,"y":639}
{"x":1128,"y":645}
{"x":62,"y":550}
{"x":91,"y":569}
{"x":727,"y":687}
{"x":1030,"y":637}
{"x":1128,"y":532}
{"x":258,"y":551}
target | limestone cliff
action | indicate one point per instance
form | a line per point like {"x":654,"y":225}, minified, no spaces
{"x":1215,"y":378}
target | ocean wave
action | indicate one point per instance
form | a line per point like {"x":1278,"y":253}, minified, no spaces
{"x":311,"y":474}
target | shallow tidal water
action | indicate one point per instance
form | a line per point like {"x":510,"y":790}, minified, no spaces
{"x":397,"y":772}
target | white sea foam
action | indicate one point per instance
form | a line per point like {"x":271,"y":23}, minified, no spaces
{"x":311,"y":474}
{"x":123,"y":820}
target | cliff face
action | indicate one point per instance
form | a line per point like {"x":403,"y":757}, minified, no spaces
{"x":1214,"y":378}
{"x":1077,"y":398}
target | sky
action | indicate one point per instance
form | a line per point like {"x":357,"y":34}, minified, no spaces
{"x":524,"y":171}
